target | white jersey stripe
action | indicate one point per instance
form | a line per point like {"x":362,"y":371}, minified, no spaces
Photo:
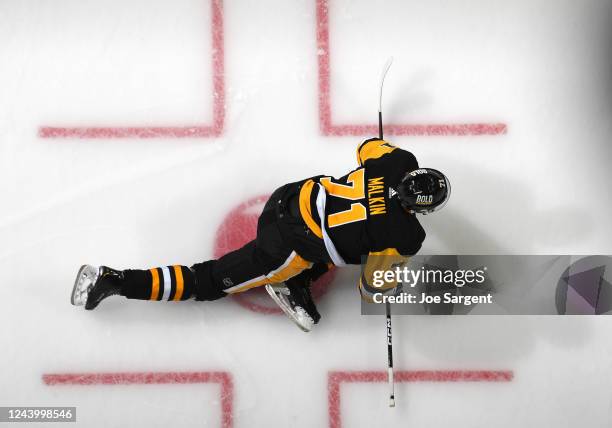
{"x":243,"y":284}
{"x":167,"y":283}
{"x":329,"y":245}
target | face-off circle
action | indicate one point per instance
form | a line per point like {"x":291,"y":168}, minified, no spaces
{"x":238,"y":228}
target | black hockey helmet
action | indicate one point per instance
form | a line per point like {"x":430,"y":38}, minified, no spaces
{"x":424,"y":190}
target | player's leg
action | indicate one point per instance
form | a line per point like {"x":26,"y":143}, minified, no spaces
{"x":295,"y":299}
{"x":235,"y":272}
{"x":267,"y":259}
{"x":171,"y":283}
{"x":299,"y":289}
{"x":202,"y":281}
{"x":246,"y":268}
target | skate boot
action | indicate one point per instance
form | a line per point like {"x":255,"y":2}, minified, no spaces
{"x":295,"y":300}
{"x":94,"y":284}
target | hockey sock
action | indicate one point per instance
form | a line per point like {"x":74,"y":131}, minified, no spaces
{"x":206,"y":286}
{"x":161,"y":283}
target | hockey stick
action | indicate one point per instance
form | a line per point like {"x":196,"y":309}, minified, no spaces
{"x":387,"y":304}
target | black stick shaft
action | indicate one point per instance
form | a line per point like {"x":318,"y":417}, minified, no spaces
{"x":389,"y":336}
{"x":388,"y":310}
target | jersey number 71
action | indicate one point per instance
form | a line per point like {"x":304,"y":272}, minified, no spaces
{"x":353,"y":191}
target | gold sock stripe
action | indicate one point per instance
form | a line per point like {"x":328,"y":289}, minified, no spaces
{"x":154,"y":284}
{"x":178,"y":273}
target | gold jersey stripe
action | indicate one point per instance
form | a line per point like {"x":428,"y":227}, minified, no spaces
{"x":306,"y":209}
{"x":178,"y":273}
{"x":386,"y":252}
{"x":154,"y":284}
{"x":253,"y":284}
{"x":292,"y":266}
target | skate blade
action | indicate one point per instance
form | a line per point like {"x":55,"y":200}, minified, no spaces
{"x":299,"y":317}
{"x":86,"y":278}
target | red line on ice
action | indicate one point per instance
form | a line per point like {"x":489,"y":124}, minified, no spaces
{"x":195,"y":131}
{"x":325,"y":111}
{"x":336,"y":378}
{"x":224,"y":379}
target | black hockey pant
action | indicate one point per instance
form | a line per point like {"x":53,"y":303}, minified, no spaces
{"x":270,"y":258}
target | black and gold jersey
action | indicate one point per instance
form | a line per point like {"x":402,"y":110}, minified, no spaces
{"x":357,"y":214}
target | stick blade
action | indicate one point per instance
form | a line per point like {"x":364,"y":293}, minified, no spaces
{"x":382,"y":81}
{"x":386,"y":67}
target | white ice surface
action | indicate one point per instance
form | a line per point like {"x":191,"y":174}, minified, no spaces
{"x":541,"y":66}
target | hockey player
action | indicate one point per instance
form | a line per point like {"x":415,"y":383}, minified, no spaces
{"x":305,"y":228}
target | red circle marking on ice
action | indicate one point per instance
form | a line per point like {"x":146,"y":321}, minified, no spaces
{"x":240,"y":227}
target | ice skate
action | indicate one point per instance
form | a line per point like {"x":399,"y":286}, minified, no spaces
{"x":93,"y":284}
{"x":296,"y":302}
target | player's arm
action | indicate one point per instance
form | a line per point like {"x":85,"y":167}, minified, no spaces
{"x":372,"y":279}
{"x":375,"y":148}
